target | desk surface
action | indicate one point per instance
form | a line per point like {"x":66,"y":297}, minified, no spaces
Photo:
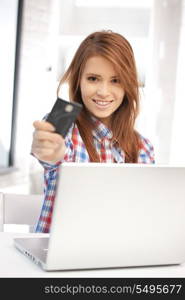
{"x":15,"y":264}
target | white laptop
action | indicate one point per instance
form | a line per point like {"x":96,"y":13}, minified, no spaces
{"x":113,"y":215}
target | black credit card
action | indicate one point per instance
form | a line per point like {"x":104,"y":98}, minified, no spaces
{"x":63,"y":114}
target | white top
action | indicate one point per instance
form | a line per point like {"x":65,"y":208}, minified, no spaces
{"x":15,"y":264}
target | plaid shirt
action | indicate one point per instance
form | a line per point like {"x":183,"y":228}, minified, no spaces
{"x":76,"y":151}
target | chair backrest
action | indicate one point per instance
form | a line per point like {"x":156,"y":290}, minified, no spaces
{"x":20,"y":209}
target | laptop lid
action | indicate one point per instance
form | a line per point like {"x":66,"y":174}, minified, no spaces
{"x":117,"y":215}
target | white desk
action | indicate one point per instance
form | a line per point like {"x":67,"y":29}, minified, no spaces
{"x":14,"y":264}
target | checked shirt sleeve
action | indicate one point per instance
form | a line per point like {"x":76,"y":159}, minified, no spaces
{"x":146,"y":154}
{"x":50,"y":180}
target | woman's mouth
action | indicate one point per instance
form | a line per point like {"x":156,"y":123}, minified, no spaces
{"x":102,"y":104}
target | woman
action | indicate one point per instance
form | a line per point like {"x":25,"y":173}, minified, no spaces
{"x":103,"y":78}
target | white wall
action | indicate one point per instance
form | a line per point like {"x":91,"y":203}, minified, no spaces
{"x":177,"y":154}
{"x":163,"y":80}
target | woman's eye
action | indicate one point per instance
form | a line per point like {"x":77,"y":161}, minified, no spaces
{"x":116,"y":80}
{"x":91,"y":78}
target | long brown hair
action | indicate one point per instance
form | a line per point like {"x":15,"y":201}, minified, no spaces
{"x":115,"y":48}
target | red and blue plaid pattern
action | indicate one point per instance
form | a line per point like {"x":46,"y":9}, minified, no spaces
{"x":76,"y":152}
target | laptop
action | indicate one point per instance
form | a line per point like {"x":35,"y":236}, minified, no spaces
{"x":113,"y":215}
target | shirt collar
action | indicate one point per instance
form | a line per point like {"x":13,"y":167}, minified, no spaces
{"x":101,"y":131}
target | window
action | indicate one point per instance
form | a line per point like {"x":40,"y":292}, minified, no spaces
{"x":10,"y":19}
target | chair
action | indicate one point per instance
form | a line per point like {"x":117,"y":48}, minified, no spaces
{"x":20,"y":209}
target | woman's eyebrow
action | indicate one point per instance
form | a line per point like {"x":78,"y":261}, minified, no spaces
{"x":97,"y":75}
{"x":93,"y":74}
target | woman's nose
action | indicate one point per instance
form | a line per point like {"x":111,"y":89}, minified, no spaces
{"x":102,"y":90}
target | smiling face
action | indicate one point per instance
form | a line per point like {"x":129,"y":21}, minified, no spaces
{"x":101,"y":90}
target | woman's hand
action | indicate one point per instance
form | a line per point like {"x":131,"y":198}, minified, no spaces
{"x":47,"y":145}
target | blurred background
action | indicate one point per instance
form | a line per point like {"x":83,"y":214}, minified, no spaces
{"x":38,"y":40}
